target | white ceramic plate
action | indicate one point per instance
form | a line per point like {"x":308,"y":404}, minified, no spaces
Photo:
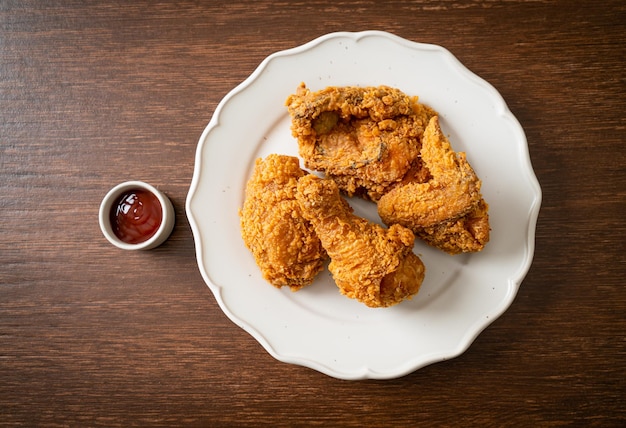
{"x":316,"y":326}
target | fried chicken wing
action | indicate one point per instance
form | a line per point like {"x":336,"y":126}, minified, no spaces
{"x":446,"y":208}
{"x":364,"y":138}
{"x":281,"y":240}
{"x":369,"y":263}
{"x":468,"y":233}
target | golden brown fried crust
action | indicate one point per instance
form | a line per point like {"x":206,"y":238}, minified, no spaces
{"x":452,"y":191}
{"x":364,"y":138}
{"x":369,"y":263}
{"x":282,"y":242}
{"x":468,"y":233}
{"x":447,"y":209}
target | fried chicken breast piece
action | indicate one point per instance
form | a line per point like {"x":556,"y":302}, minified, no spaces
{"x":364,"y":138}
{"x":369,"y":263}
{"x":444,"y":208}
{"x":282,"y":241}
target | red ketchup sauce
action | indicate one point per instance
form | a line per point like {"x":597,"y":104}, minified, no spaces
{"x":136,"y":216}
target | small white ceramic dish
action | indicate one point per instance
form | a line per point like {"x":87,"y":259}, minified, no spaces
{"x":162,"y":233}
{"x":317,"y":327}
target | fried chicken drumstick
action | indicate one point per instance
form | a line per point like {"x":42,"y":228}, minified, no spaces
{"x":364,"y":138}
{"x":369,"y":263}
{"x":447,"y":210}
{"x":281,"y":240}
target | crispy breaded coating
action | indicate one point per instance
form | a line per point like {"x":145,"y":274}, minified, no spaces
{"x":452,"y":191}
{"x":369,"y":263}
{"x":364,"y":138}
{"x":281,"y":240}
{"x":446,"y":210}
{"x":468,"y":233}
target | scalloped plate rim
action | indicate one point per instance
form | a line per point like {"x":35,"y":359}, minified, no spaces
{"x":416,"y":362}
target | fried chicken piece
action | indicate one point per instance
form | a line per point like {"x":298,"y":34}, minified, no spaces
{"x":281,"y":240}
{"x":446,"y":209}
{"x":369,"y":263}
{"x":468,"y":233}
{"x":364,"y":138}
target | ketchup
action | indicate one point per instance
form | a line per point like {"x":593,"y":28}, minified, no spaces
{"x":136,"y":216}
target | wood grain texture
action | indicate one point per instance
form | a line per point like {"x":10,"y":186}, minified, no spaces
{"x":95,"y":93}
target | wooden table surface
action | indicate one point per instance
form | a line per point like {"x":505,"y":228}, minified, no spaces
{"x":96,"y":93}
